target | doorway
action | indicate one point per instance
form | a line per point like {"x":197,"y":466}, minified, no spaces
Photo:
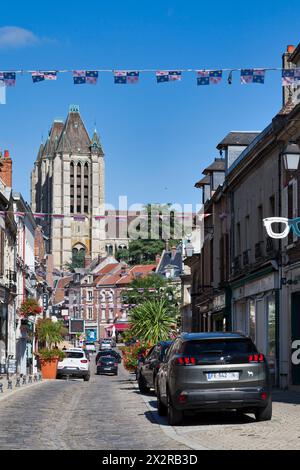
{"x":295,"y":334}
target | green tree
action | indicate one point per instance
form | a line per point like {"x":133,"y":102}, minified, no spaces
{"x":151,"y":321}
{"x":158,"y":223}
{"x":49,"y":332}
{"x":151,"y":288}
{"x":77,"y":261}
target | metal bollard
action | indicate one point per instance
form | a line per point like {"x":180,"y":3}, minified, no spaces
{"x":30,"y":379}
{"x":18,"y":382}
{"x":35,"y":378}
{"x":1,"y":388}
{"x":9,"y":384}
{"x":24,"y":380}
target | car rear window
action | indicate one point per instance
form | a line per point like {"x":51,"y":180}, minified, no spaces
{"x":221,"y":346}
{"x":107,"y":359}
{"x":74,"y":355}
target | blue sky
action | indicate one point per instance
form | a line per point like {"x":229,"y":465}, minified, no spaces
{"x":157,"y":137}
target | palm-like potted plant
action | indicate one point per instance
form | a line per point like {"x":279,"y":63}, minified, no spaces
{"x":49,"y":335}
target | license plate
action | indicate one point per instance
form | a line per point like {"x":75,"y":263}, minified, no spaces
{"x":106,"y":368}
{"x":218,"y":376}
{"x":72,"y":368}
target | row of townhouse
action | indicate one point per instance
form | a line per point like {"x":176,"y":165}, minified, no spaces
{"x":245,"y":278}
{"x":94,"y":293}
{"x":18,"y":276}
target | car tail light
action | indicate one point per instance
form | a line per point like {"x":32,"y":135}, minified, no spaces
{"x":185,"y":360}
{"x":116,"y":364}
{"x":182,"y":398}
{"x":84,"y":361}
{"x":264,"y":395}
{"x":256,"y":358}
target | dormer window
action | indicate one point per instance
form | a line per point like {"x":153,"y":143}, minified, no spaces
{"x":206,"y":193}
{"x":217,"y":179}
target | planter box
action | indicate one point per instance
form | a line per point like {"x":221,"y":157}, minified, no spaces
{"x":49,"y":368}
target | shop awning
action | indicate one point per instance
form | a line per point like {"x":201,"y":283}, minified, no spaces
{"x":119,"y":326}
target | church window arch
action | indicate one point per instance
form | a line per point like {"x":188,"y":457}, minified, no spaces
{"x":72,"y":188}
{"x":78,"y":187}
{"x":78,"y":255}
{"x":86,"y":188}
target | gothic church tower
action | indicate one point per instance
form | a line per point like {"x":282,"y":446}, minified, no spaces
{"x":67,"y":184}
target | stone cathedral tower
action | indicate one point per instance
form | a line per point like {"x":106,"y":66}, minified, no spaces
{"x":67,"y":184}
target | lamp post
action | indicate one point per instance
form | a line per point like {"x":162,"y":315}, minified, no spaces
{"x":291,"y":156}
{"x":189,"y":249}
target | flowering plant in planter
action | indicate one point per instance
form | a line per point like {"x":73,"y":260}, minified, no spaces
{"x":132,"y":354}
{"x":30,"y":307}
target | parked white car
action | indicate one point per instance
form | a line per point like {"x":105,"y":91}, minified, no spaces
{"x":105,"y":344}
{"x":90,"y":347}
{"x":75,"y":364}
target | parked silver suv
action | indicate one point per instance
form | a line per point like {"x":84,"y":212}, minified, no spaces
{"x":213,"y":371}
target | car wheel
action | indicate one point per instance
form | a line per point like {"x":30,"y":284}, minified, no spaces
{"x":161,"y":408}
{"x":264,"y":414}
{"x":142,"y":384}
{"x":86,"y":378}
{"x":175,"y":417}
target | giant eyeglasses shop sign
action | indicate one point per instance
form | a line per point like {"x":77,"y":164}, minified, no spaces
{"x":76,"y":326}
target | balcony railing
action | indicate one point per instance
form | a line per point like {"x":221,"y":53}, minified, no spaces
{"x":259,"y":250}
{"x":236,"y":264}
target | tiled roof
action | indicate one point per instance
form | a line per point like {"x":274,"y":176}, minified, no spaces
{"x":202,"y":182}
{"x":59,"y":294}
{"x":54,"y":135}
{"x":140,"y":270}
{"x":238,"y":138}
{"x":217,"y":165}
{"x":170,"y":259}
{"x":74,"y":137}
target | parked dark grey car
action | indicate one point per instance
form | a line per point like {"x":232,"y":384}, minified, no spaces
{"x":148,"y":366}
{"x":213,"y":371}
{"x":107,"y":364}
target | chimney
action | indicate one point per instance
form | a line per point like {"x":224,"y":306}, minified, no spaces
{"x":87,"y":261}
{"x":286,"y":64}
{"x":6,"y":169}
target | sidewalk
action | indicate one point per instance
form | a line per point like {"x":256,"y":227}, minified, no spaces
{"x":16,"y":383}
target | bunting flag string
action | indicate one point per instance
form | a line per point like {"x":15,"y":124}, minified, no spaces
{"x":289,"y":77}
{"x":85,"y":76}
{"x":126,"y":76}
{"x":83,"y":217}
{"x":209,"y":77}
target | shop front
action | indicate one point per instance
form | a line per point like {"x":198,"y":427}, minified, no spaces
{"x":221,"y":311}
{"x":290,"y":327}
{"x":3,"y":331}
{"x":255,"y":307}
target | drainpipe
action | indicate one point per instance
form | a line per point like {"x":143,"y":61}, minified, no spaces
{"x":279,"y":300}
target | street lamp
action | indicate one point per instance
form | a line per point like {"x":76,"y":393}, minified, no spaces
{"x":189,"y":249}
{"x":291,"y":156}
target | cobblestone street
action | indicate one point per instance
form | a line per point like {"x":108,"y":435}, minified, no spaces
{"x":105,"y":413}
{"x":109,"y":413}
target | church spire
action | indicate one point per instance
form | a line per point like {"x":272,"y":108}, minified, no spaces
{"x":96,"y":144}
